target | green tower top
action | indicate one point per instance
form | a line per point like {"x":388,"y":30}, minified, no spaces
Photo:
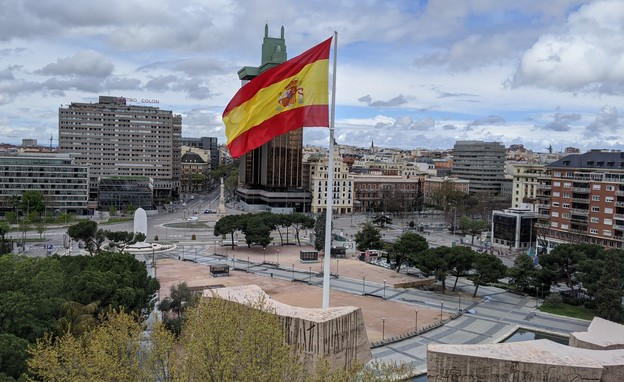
{"x":273,"y":54}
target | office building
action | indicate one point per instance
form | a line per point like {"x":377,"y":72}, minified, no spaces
{"x":63,"y":183}
{"x":271,"y":176}
{"x":115,"y":138}
{"x":481,"y":163}
{"x":581,"y":200}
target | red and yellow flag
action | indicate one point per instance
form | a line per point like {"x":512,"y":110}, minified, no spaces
{"x":289,"y":96}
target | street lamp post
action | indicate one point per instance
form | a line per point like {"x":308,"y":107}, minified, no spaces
{"x":293,"y":272}
{"x":416,"y":319}
{"x":263,"y":254}
{"x":278,"y":257}
{"x":383,"y":329}
{"x":441,"y":308}
{"x":384,"y":290}
{"x":363,"y":285}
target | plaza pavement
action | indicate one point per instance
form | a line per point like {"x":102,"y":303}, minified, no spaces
{"x":496,"y":313}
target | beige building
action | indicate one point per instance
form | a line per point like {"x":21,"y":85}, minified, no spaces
{"x":317,"y":168}
{"x":525,"y":183}
{"x":115,"y":138}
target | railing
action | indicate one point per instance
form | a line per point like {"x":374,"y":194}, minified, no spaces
{"x":584,"y":200}
{"x":544,"y":186}
{"x":618,"y":226}
{"x":581,"y":189}
{"x":619,"y":192}
{"x":618,"y":216}
{"x":579,"y":221}
{"x":543,"y":216}
{"x":580,"y":211}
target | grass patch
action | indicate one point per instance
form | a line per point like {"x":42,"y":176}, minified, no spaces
{"x":568,"y":310}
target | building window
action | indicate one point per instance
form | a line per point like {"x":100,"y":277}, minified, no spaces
{"x":595,"y":209}
{"x":556,"y":184}
{"x":567,"y":185}
{"x":555,"y":204}
{"x":556,"y":194}
{"x":606,"y":232}
{"x":566,"y":205}
{"x":608,"y":199}
{"x":565,"y":216}
{"x":610,"y":188}
{"x":567,"y":195}
{"x":555,"y":214}
{"x":608,"y":210}
{"x":608,"y":222}
{"x":596,"y":198}
{"x":596,"y":187}
{"x":593,"y":231}
{"x":564,"y":226}
{"x":554,"y":224}
{"x":594,"y":220}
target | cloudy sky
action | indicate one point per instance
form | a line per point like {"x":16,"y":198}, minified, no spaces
{"x":410,"y":73}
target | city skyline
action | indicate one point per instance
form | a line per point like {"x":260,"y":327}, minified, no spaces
{"x":410,"y":73}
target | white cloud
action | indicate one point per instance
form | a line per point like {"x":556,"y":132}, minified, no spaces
{"x":86,"y":63}
{"x":586,"y":56}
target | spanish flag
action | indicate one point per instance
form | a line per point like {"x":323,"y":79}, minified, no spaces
{"x":289,"y":96}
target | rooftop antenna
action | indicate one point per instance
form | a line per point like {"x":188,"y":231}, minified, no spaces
{"x":50,"y":141}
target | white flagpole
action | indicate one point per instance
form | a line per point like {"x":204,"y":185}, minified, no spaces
{"x":330,"y":186}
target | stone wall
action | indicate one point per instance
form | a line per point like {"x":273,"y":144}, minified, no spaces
{"x":338,"y":334}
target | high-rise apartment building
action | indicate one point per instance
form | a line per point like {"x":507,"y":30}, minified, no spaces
{"x":482,"y":163}
{"x":581,"y":200}
{"x":272,"y":174}
{"x":117,"y":139}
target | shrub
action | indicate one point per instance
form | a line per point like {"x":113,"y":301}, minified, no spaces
{"x":554,"y":299}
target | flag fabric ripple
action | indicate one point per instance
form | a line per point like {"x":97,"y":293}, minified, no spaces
{"x":287,"y":97}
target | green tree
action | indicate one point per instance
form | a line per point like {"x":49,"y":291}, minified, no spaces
{"x":33,"y":201}
{"x":319,"y":232}
{"x":77,"y":318}
{"x":523,"y":275}
{"x":4,"y":229}
{"x":87,"y":231}
{"x":433,"y":262}
{"x":300,"y":221}
{"x":41,"y":228}
{"x":407,"y":246}
{"x":228,"y":225}
{"x":257,"y":228}
{"x":488,"y":269}
{"x":11,"y":217}
{"x":382,"y":220}
{"x":609,"y":289}
{"x":180,"y":298}
{"x":460,"y":260}
{"x":369,"y":237}
{"x":472,"y":227}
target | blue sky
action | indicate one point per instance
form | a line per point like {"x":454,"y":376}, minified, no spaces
{"x":410,"y":73}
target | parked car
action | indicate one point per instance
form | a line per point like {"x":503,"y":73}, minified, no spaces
{"x":209,"y":212}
